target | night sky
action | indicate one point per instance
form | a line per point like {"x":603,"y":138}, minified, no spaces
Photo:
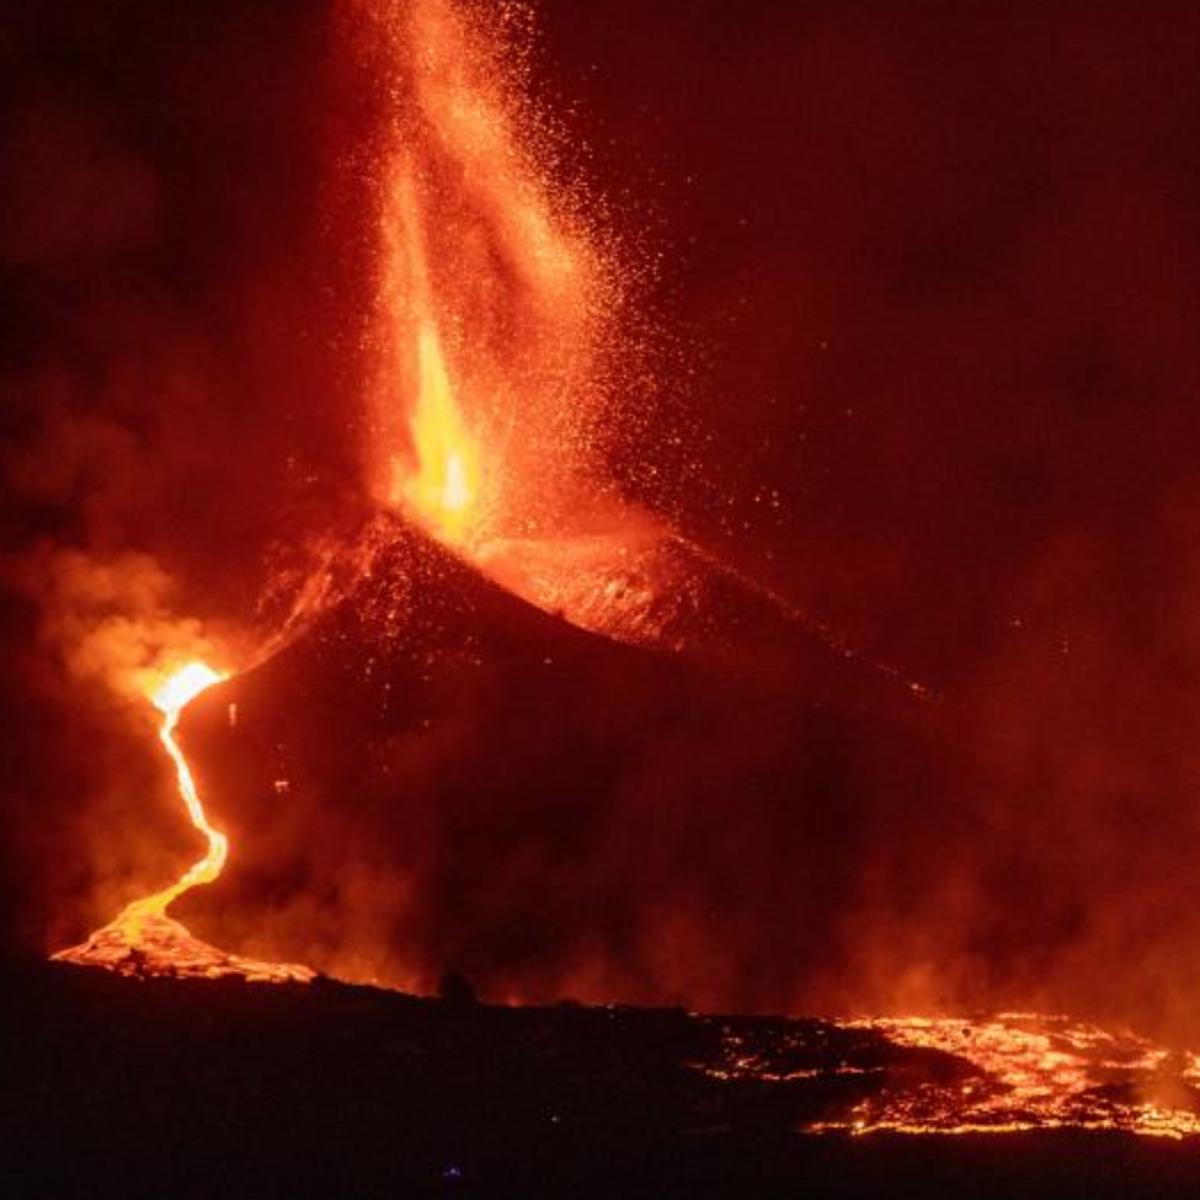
{"x":916,"y":346}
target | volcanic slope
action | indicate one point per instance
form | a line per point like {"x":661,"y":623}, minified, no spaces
{"x":441,"y":776}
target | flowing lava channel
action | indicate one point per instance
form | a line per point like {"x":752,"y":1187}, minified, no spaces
{"x":143,"y":939}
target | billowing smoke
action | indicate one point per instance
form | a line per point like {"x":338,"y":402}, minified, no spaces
{"x":935,"y":275}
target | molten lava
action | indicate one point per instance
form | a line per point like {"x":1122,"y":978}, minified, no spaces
{"x":445,"y":485}
{"x":1005,"y":1073}
{"x":1036,"y":1072}
{"x":143,"y":939}
{"x":170,"y":700}
{"x":498,"y":328}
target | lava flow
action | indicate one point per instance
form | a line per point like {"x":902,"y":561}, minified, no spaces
{"x":1036,"y":1072}
{"x":143,"y":939}
{"x":946,"y":1075}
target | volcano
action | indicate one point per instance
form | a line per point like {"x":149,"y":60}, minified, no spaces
{"x":601,"y":605}
{"x":535,"y":804}
{"x":493,"y":874}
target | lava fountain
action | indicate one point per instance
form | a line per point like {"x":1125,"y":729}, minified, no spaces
{"x":499,"y":335}
{"x":143,"y":939}
{"x":502,"y":342}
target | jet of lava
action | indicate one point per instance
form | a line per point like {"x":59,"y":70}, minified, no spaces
{"x":498,"y":335}
{"x":500,"y":344}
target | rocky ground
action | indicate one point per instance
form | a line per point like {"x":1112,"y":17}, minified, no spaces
{"x":120,"y":1087}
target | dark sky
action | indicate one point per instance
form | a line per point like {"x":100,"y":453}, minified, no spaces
{"x":924,"y":313}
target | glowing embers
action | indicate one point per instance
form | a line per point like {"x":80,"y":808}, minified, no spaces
{"x":142,"y":939}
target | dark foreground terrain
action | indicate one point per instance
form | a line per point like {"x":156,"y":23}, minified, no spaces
{"x":120,"y":1087}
